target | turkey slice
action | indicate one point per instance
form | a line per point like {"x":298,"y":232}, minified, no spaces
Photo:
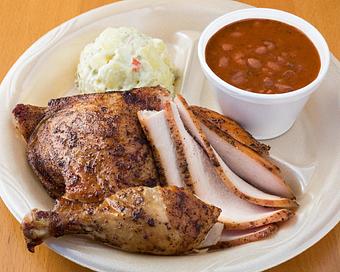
{"x":157,"y":132}
{"x":234,"y":183}
{"x":231,"y":127}
{"x":230,"y":238}
{"x":247,"y":164}
{"x":236,"y":212}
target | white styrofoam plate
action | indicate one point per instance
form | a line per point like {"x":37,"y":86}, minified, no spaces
{"x":309,"y":151}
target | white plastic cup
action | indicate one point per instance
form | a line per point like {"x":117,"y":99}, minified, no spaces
{"x":265,"y":116}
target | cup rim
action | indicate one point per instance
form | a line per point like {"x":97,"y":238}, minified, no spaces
{"x":272,"y":13}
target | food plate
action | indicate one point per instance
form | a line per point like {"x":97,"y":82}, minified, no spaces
{"x":309,"y":152}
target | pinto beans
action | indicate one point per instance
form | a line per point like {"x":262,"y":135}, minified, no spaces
{"x":227,"y":46}
{"x":238,"y":78}
{"x":283,"y":87}
{"x":254,"y":63}
{"x":236,"y":34}
{"x":273,"y":65}
{"x":269,"y":45}
{"x":261,"y":50}
{"x":262,"y":56}
{"x":268,"y":82}
{"x":223,"y":62}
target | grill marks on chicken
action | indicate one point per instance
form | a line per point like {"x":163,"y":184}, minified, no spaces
{"x":87,"y":147}
{"x":163,"y":221}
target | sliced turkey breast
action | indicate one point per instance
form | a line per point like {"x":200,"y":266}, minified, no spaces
{"x":236,"y":212}
{"x":234,"y":183}
{"x":250,"y":166}
{"x":230,"y":238}
{"x":157,"y":132}
{"x":231,"y":127}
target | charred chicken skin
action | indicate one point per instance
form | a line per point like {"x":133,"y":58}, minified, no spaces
{"x":87,"y":147}
{"x":158,"y":220}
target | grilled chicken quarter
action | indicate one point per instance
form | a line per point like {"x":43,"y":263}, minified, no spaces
{"x":86,"y":147}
